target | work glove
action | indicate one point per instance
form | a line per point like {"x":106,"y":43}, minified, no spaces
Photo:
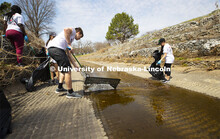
{"x":47,"y":53}
{"x":71,"y":50}
{"x":158,"y":63}
{"x":68,"y":48}
{"x":26,"y":38}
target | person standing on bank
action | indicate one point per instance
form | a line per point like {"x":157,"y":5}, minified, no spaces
{"x":56,"y":49}
{"x":14,"y":29}
{"x":167,"y":54}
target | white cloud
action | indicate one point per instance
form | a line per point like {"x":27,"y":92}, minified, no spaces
{"x":94,"y":16}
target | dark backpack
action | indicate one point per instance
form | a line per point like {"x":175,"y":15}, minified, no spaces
{"x":5,"y":116}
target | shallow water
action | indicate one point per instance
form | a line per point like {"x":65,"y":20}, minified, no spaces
{"x":142,"y":108}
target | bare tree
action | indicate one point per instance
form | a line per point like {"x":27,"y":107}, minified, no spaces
{"x":39,"y":14}
{"x":82,"y":48}
{"x":100,"y":45}
{"x":87,"y":47}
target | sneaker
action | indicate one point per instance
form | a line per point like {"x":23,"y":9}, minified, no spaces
{"x":73,"y":95}
{"x":19,"y":65}
{"x":51,"y":82}
{"x":60,"y":90}
{"x":165,"y":81}
{"x":56,"y":81}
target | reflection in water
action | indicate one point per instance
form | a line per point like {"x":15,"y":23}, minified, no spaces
{"x":140,"y":108}
{"x":158,"y":105}
{"x":109,"y":98}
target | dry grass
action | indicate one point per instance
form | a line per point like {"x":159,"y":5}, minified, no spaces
{"x":185,"y":60}
{"x":136,"y":60}
{"x":9,"y":71}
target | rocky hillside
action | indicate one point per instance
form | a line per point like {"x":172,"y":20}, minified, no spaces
{"x":193,"y":38}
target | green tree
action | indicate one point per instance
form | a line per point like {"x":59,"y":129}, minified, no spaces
{"x":5,"y":7}
{"x":122,"y":28}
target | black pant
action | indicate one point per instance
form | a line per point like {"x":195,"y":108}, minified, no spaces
{"x":167,"y":69}
{"x":59,"y":55}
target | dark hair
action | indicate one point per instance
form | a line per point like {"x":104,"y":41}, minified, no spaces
{"x":79,"y":30}
{"x":161,"y":41}
{"x":48,"y":39}
{"x":14,"y":9}
{"x":161,"y":51}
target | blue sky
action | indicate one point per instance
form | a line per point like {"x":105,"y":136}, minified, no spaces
{"x":94,"y":16}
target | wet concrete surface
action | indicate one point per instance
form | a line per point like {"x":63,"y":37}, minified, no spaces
{"x":142,"y":108}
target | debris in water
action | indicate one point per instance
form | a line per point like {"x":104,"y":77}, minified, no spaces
{"x":97,"y":87}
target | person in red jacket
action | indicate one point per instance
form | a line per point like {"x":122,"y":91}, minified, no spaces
{"x":14,"y":29}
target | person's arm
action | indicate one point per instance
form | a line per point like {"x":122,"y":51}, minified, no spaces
{"x":5,"y":24}
{"x":164,"y":55}
{"x":165,"y":51}
{"x":46,"y":51}
{"x":22,"y":29}
{"x":20,"y":23}
{"x":67,"y":34}
{"x":5,"y":27}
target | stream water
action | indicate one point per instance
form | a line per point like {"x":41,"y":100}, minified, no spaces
{"x":142,"y":108}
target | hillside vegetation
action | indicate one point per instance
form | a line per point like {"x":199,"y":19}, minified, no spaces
{"x":195,"y":42}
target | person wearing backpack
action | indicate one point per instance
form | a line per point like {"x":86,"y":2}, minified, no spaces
{"x":15,"y":31}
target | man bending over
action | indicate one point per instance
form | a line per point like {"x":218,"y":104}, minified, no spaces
{"x":56,"y":49}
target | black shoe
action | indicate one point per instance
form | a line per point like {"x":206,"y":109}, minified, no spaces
{"x":59,"y":90}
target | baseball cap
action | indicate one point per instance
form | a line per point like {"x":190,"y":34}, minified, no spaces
{"x":161,"y":40}
{"x":52,"y":34}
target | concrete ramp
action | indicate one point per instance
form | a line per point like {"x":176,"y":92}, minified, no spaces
{"x":44,"y":114}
